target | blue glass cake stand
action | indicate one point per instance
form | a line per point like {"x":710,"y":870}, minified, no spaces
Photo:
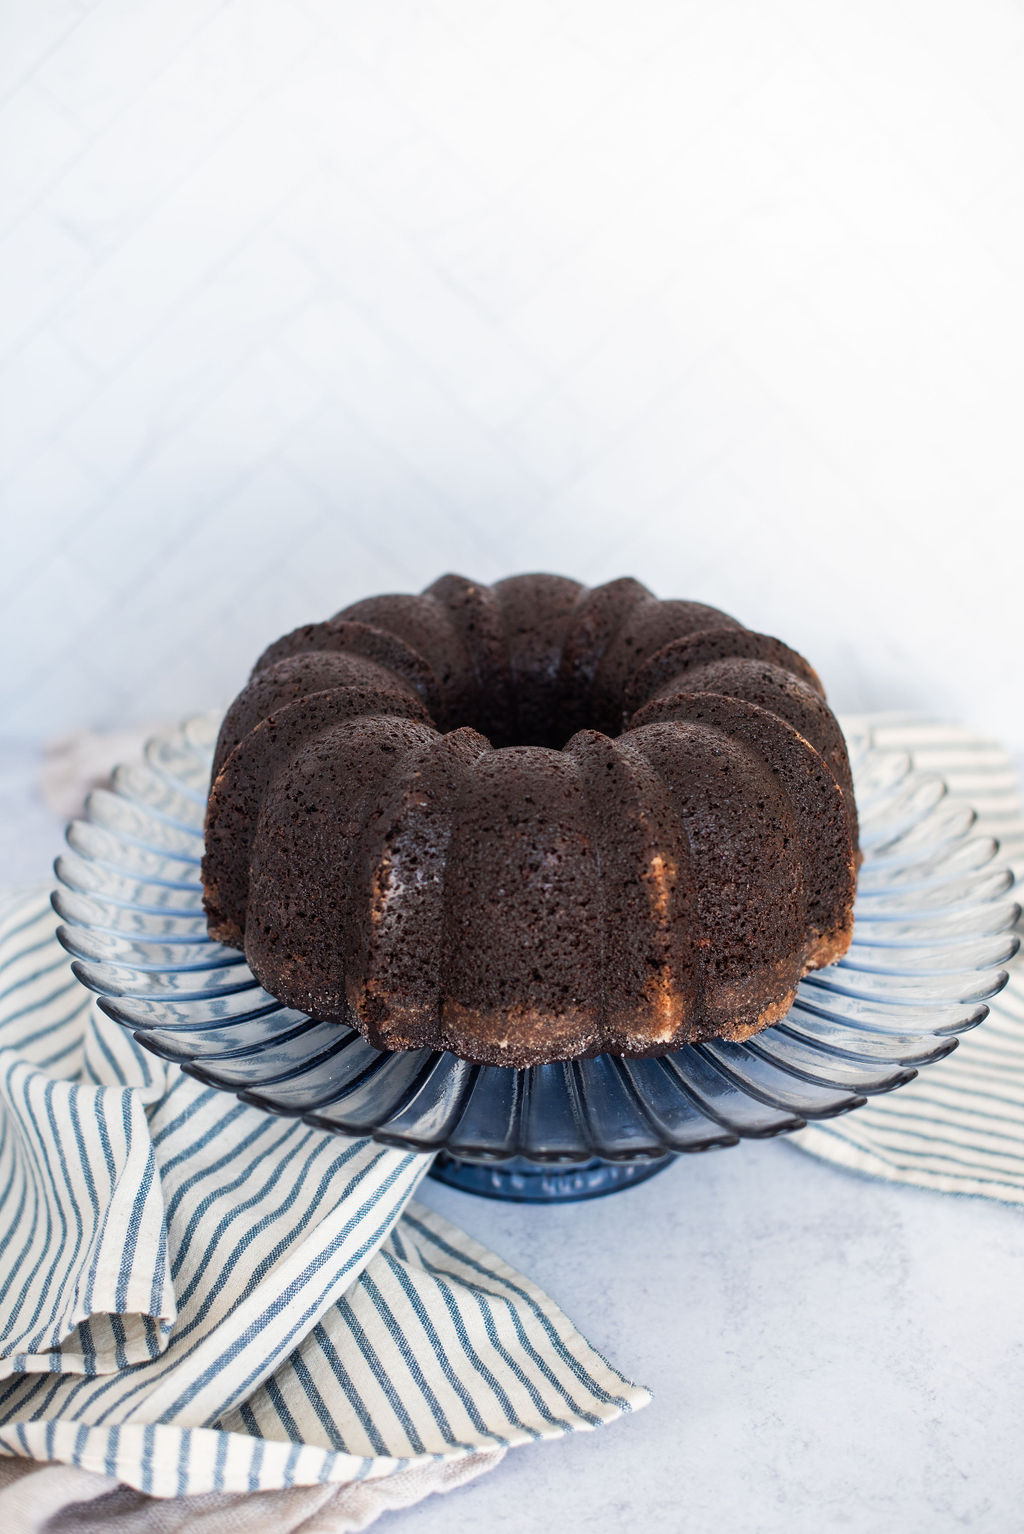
{"x":932,"y":927}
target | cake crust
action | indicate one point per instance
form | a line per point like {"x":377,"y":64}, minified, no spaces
{"x":532,"y":822}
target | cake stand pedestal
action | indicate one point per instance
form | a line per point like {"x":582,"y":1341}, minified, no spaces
{"x":536,"y":1182}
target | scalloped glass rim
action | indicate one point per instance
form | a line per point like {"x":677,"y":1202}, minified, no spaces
{"x":932,"y":930}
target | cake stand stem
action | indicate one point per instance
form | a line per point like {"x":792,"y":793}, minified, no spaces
{"x":534,"y":1182}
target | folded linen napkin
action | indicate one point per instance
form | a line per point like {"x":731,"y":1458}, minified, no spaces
{"x":62,"y":1499}
{"x":197,"y":1296}
{"x":954,"y":1129}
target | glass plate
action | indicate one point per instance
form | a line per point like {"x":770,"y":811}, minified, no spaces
{"x":932,"y":927}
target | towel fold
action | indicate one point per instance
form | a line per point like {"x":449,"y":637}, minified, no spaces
{"x":197,"y":1296}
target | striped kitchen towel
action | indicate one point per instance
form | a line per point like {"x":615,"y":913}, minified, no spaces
{"x":197,"y":1296}
{"x":959,"y":1127}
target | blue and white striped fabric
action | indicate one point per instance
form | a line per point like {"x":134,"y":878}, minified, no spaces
{"x":197,"y":1296}
{"x":959,"y":1128}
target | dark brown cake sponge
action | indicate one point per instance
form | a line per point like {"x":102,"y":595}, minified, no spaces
{"x":532,"y":821}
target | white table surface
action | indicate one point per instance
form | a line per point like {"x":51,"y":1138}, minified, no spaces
{"x":826,"y":1352}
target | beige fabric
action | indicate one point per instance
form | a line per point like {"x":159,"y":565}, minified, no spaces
{"x":74,"y":764}
{"x":61,"y":1499}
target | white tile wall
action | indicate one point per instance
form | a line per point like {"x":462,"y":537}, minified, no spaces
{"x":305,"y":300}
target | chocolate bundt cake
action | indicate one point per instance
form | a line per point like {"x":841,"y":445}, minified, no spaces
{"x":532,"y":821}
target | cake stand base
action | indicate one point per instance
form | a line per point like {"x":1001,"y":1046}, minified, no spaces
{"x":536,"y":1182}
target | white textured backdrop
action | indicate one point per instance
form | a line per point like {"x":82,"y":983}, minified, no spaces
{"x":303,"y":300}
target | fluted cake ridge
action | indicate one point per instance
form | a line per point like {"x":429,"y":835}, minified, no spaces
{"x":532,"y":821}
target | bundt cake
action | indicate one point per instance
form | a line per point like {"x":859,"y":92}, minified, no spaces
{"x":532,"y":821}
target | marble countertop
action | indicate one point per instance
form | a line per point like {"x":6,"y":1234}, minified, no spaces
{"x":825,"y":1351}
